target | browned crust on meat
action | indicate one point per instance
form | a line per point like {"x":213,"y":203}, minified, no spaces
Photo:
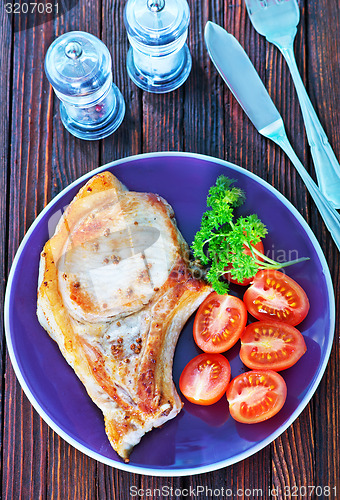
{"x":152,"y":370}
{"x":180,"y":287}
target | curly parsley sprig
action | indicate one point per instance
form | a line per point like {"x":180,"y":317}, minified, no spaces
{"x":221,"y":240}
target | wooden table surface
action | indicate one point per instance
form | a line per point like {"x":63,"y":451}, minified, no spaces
{"x":39,"y":158}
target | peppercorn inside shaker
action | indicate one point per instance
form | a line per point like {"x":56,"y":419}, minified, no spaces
{"x":78,"y":66}
{"x":158,"y":60}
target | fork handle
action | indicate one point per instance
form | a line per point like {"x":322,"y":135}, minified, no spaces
{"x":328,"y":213}
{"x":326,"y":164}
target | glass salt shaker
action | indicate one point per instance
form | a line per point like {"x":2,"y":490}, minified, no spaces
{"x":158,"y":60}
{"x":79,"y":68}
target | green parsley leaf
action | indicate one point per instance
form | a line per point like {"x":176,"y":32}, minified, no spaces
{"x":221,"y":240}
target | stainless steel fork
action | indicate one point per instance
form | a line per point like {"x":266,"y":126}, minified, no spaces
{"x":277,"y":20}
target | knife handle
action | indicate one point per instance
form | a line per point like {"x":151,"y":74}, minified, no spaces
{"x":326,"y":165}
{"x":329,"y":215}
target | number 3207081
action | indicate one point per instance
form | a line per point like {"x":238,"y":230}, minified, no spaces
{"x":31,"y":7}
{"x":308,"y":491}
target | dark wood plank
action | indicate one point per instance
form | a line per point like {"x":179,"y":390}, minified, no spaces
{"x":24,"y":446}
{"x":121,"y":485}
{"x":241,"y":480}
{"x":204,"y":112}
{"x":322,"y":77}
{"x":322,"y":73}
{"x":326,"y":423}
{"x":72,"y":157}
{"x":69,"y":473}
{"x":163,"y":121}
{"x":44,"y":159}
{"x":293,"y":457}
{"x":244,"y":146}
{"x":72,"y":473}
{"x":24,"y":436}
{"x":221,"y":130}
{"x":5,"y":84}
{"x":115,"y":484}
{"x":323,"y":87}
{"x":127,"y":140}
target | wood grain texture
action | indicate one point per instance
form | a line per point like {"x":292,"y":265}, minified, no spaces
{"x":127,"y":140}
{"x":5,"y":84}
{"x":23,"y":434}
{"x":39,"y":158}
{"x":203,"y":99}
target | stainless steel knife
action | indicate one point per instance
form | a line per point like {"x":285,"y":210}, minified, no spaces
{"x":238,"y":72}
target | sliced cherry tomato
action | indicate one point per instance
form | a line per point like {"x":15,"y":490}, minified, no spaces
{"x":205,"y":378}
{"x":256,"y":396}
{"x":271,"y":345}
{"x":246,"y":281}
{"x":275,"y":296}
{"x":219,"y":322}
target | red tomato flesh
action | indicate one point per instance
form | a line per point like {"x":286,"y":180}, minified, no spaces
{"x":205,"y":378}
{"x":247,"y":251}
{"x":256,"y":395}
{"x":271,"y":345}
{"x":275,"y":296}
{"x":219,"y":322}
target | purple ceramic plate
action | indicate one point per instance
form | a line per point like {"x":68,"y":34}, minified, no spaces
{"x":199,"y":439}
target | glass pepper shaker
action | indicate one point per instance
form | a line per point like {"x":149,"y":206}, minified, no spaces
{"x":79,"y":68}
{"x":159,"y":59}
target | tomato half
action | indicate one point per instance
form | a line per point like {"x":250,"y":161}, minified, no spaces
{"x":247,"y":251}
{"x":256,"y":396}
{"x":205,"y":378}
{"x":271,"y":345}
{"x":219,"y":322}
{"x":275,"y":296}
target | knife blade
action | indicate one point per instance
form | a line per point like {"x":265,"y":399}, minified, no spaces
{"x":238,"y":72}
